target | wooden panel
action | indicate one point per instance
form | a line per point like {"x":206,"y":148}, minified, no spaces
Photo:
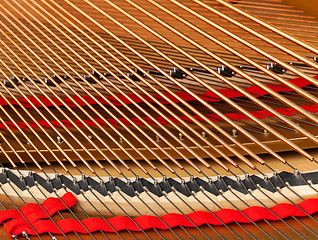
{"x":308,"y":6}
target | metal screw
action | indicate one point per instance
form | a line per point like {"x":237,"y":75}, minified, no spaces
{"x":204,"y":134}
{"x":59,"y":139}
{"x":24,"y":233}
{"x":234,"y":132}
{"x":181,"y":136}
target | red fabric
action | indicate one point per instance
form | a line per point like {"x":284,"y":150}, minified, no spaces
{"x":212,"y":117}
{"x":208,"y":96}
{"x":37,"y":219}
{"x":33,"y":212}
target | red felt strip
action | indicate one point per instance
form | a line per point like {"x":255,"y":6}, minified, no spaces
{"x":208,"y":96}
{"x":145,"y":222}
{"x":33,"y":211}
{"x":212,"y":117}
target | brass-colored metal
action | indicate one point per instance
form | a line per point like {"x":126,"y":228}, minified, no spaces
{"x":167,"y":92}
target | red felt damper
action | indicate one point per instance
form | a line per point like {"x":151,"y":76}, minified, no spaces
{"x":145,"y":222}
{"x":207,"y":96}
{"x":33,"y":211}
{"x":213,"y":117}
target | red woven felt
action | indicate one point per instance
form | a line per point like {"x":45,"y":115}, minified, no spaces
{"x":145,"y":222}
{"x":208,"y":96}
{"x":212,"y":117}
{"x":33,"y":211}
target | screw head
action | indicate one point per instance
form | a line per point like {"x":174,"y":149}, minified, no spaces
{"x":59,"y":139}
{"x":204,"y":134}
{"x":181,"y":136}
{"x":234,"y":132}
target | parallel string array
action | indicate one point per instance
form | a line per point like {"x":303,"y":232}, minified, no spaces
{"x":65,"y":40}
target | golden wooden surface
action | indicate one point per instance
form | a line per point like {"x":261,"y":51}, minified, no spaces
{"x":310,"y":7}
